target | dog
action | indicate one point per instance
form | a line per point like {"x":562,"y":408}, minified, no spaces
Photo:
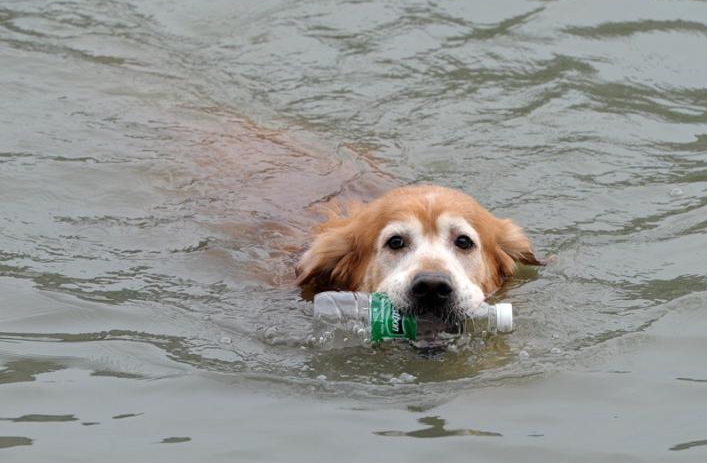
{"x":431,"y":249}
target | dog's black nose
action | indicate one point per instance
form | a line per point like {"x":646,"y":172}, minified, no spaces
{"x":431,"y":289}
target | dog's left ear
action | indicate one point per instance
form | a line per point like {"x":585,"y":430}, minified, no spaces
{"x":512,"y":241}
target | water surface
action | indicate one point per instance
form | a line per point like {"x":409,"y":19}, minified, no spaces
{"x":161,"y":165}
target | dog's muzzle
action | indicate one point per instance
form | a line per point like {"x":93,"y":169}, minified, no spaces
{"x":432,"y":293}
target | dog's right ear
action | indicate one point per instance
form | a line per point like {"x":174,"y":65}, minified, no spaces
{"x":335,"y":260}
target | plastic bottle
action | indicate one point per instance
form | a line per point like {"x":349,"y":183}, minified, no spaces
{"x":347,"y":319}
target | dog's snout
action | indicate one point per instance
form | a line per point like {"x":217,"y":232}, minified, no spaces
{"x":431,"y":288}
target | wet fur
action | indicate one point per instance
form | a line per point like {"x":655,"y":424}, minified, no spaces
{"x":344,"y":246}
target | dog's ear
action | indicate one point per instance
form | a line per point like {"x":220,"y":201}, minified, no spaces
{"x":335,"y":259}
{"x":514,"y":247}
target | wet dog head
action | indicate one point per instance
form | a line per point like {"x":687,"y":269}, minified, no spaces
{"x":431,"y":249}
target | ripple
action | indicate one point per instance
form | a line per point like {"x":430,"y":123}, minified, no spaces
{"x":435,"y":429}
{"x":502,"y":28}
{"x":688,"y":445}
{"x":25,"y":370}
{"x":41,"y":418}
{"x":14,"y":441}
{"x":629,"y":28}
{"x":175,"y":440}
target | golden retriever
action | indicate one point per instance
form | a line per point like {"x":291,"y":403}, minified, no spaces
{"x":431,"y":249}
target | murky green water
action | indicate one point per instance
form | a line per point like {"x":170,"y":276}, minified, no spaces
{"x":161,"y":163}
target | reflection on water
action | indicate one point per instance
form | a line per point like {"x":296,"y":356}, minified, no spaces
{"x":175,"y":440}
{"x":435,"y":427}
{"x":41,"y":418}
{"x":25,"y":370}
{"x":14,"y":441}
{"x":126,"y":415}
{"x":689,"y":445}
{"x":692,"y":380}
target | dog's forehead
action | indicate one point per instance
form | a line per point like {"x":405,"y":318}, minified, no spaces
{"x":453,"y":222}
{"x":427,"y":207}
{"x":429,"y":225}
{"x":402,"y":225}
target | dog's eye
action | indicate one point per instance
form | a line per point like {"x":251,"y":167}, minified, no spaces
{"x":463,"y":242}
{"x":395,"y":242}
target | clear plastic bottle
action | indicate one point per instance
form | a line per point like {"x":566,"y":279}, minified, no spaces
{"x":347,"y":319}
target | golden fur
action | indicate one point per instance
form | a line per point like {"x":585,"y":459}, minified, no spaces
{"x":346,"y":254}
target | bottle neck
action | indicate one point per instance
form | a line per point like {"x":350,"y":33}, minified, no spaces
{"x":480,"y":311}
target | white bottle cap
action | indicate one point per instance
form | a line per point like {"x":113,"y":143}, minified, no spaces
{"x":504,"y":317}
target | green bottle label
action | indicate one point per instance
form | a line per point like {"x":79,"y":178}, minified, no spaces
{"x":387,"y":322}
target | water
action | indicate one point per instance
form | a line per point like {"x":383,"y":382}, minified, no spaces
{"x":160,"y":166}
